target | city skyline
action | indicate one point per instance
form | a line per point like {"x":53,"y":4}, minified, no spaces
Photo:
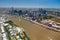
{"x":30,"y":3}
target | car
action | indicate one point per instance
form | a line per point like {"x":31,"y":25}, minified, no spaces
{"x":3,"y":35}
{"x":18,"y":38}
{"x":6,"y":24}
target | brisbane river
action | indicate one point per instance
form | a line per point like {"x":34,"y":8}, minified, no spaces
{"x":34,"y":31}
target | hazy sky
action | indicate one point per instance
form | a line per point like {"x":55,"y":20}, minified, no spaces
{"x":30,"y":3}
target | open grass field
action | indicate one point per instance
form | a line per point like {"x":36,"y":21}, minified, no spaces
{"x":56,"y":19}
{"x":34,"y":31}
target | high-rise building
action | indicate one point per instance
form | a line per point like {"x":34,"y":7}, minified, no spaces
{"x":41,"y":14}
{"x":11,"y":11}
